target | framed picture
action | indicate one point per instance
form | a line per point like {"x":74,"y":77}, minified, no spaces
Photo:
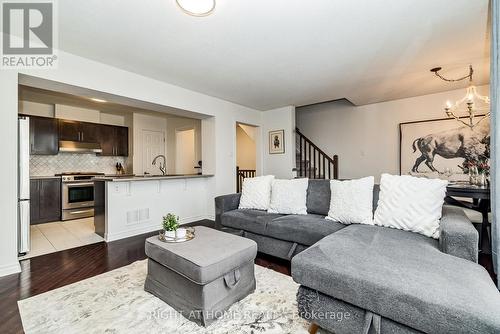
{"x":443,"y":148}
{"x":277,"y":142}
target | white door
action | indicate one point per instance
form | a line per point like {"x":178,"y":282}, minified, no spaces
{"x":153,"y":144}
{"x":185,"y":157}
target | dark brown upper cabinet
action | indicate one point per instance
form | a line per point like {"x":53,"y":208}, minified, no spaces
{"x":44,"y":136}
{"x":78,"y":131}
{"x":121,"y":140}
{"x":90,"y":132}
{"x":114,"y":140}
{"x":69,"y":130}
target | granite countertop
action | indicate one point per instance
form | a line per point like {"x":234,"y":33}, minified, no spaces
{"x":133,"y":178}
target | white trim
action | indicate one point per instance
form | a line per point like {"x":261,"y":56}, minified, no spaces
{"x":10,"y":269}
{"x":147,"y":229}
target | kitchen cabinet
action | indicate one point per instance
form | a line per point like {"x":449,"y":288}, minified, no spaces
{"x":90,"y":132}
{"x":34,"y":202}
{"x":114,"y":140}
{"x":78,"y":131}
{"x":107,"y":140}
{"x":69,"y":130}
{"x":121,"y":140}
{"x":45,"y":200}
{"x":44,"y":136}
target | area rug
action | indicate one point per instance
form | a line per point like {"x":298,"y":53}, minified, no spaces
{"x":115,"y":302}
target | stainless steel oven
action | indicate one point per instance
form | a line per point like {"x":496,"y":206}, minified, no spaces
{"x":77,"y":196}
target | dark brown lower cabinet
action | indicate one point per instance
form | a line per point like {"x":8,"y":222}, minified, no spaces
{"x":45,"y":200}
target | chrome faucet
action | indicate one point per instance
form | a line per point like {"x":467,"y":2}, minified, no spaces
{"x":161,"y":167}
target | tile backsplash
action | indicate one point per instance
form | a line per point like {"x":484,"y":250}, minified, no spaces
{"x":46,"y":165}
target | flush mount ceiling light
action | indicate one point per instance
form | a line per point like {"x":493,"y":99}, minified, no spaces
{"x":470,"y":105}
{"x":98,"y":100}
{"x":197,"y":7}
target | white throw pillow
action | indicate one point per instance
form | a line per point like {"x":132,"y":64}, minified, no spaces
{"x":351,"y":201}
{"x":289,"y":197}
{"x":411,"y":204}
{"x":256,"y":192}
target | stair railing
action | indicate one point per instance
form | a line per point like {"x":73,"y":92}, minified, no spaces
{"x":241,"y":174}
{"x":312,"y":162}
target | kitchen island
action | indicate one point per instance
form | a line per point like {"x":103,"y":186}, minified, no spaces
{"x":131,"y":205}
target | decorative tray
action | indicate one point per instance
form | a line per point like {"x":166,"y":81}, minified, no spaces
{"x":190,"y":234}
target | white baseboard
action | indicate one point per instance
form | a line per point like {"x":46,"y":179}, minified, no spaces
{"x":10,"y":269}
{"x":146,"y":229}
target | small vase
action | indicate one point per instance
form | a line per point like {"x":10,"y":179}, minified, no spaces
{"x":170,"y":234}
{"x":481,"y":179}
{"x":473,"y":175}
{"x":180,"y":233}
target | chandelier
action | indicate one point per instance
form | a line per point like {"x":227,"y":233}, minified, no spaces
{"x":474,"y":106}
{"x":197,"y":7}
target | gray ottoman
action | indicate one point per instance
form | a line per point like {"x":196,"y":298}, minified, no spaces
{"x":202,"y":277}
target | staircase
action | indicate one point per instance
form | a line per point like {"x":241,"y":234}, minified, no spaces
{"x":312,"y":162}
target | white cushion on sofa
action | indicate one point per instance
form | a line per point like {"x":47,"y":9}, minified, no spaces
{"x":289,"y":197}
{"x":256,"y":192}
{"x":352,"y":201}
{"x":411,"y":203}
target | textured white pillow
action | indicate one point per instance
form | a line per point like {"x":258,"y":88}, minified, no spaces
{"x":289,"y":197}
{"x":411,"y":204}
{"x":351,"y":201}
{"x":256,"y":192}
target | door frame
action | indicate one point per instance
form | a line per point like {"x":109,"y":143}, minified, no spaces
{"x":186,"y":128}
{"x":258,"y":150}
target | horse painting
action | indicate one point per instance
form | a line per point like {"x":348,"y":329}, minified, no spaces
{"x":462,"y":142}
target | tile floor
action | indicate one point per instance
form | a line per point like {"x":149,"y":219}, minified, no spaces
{"x":52,"y":237}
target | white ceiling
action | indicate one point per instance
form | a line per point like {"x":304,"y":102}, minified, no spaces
{"x":271,"y":53}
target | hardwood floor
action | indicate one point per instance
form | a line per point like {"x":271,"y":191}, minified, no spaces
{"x":52,"y":271}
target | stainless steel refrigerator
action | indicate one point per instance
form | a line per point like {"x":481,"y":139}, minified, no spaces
{"x":24,"y":186}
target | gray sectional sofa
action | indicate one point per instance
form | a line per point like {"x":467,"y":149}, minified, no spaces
{"x":372,"y":279}
{"x":282,"y":236}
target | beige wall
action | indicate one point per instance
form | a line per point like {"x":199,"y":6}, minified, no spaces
{"x":71,"y":112}
{"x":76,"y":113}
{"x":245,"y":147}
{"x":366,"y":138}
{"x":36,"y":109}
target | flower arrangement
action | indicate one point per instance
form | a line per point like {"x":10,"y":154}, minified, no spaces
{"x":170,"y":222}
{"x":481,"y":165}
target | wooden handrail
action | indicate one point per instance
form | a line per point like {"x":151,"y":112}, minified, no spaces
{"x":332,"y":160}
{"x":241,"y":174}
{"x":313,"y":161}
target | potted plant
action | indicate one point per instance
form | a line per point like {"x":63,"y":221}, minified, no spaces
{"x":170,"y":225}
